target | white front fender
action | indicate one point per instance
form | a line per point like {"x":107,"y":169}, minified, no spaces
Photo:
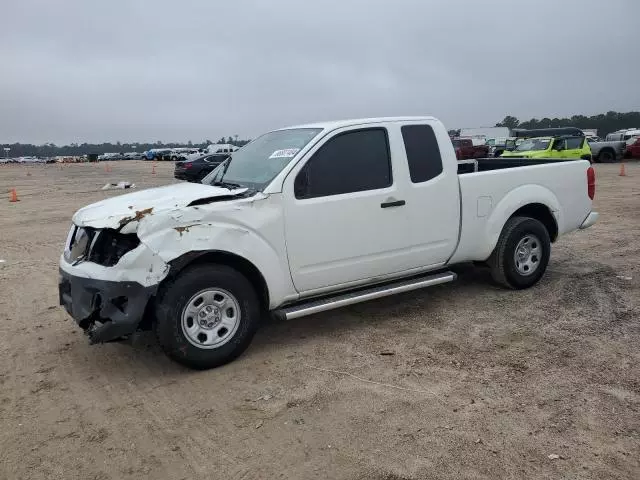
{"x":252,"y":230}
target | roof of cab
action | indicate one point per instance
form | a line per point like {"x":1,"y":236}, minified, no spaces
{"x":332,"y":125}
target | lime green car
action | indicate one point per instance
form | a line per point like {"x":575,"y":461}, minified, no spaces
{"x":570,"y":145}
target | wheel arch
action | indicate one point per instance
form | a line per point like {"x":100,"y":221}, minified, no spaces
{"x":543,"y":214}
{"x":237,"y":262}
{"x":607,"y":150}
{"x":533,"y":201}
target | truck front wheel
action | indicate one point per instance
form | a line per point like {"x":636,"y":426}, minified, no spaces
{"x":207,"y":316}
{"x":522,"y":253}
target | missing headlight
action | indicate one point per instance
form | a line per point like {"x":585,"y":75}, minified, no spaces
{"x":110,"y":246}
{"x":79,"y":242}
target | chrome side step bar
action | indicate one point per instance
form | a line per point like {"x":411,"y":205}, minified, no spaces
{"x":349,"y":298}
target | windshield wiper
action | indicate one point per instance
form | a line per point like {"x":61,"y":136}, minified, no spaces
{"x":229,"y":185}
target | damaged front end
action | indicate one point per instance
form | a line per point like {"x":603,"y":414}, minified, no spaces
{"x":118,"y":251}
{"x":106,"y":281}
{"x":105,"y":310}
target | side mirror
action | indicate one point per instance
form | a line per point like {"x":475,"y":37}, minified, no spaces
{"x":301,"y":184}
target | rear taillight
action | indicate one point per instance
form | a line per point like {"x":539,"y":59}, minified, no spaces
{"x":188,"y":165}
{"x":591,"y":182}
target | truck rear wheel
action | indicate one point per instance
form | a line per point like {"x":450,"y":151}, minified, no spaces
{"x":522,"y":253}
{"x":207,"y":316}
{"x":606,"y":156}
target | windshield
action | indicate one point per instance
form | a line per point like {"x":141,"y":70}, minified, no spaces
{"x":533,"y":144}
{"x":258,"y":162}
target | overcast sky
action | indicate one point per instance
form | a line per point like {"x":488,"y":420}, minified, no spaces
{"x":136,"y":70}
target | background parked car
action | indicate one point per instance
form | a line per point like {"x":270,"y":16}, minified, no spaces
{"x":568,"y":142}
{"x":156,"y":153}
{"x":465,"y":149}
{"x":183,"y":153}
{"x":623,"y":135}
{"x":195,"y":170}
{"x":633,"y":148}
{"x":219,"y":148}
{"x":497,"y":146}
{"x":607,"y":151}
{"x":110,"y":156}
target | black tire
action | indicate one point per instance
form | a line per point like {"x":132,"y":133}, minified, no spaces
{"x":173,"y":300}
{"x":606,"y":156}
{"x":503,"y":262}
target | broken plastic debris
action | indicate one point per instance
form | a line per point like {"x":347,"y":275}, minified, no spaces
{"x":623,"y":277}
{"x":553,"y":456}
{"x":119,"y":185}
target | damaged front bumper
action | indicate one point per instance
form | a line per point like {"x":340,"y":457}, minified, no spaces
{"x":109,"y":302}
{"x":105,"y":310}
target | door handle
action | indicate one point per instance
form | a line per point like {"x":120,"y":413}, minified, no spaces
{"x":392,"y":203}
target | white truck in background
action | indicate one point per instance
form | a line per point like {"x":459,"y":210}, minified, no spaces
{"x":307,"y":219}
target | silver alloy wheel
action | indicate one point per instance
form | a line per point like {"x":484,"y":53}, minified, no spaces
{"x":528,"y":254}
{"x":211,"y":318}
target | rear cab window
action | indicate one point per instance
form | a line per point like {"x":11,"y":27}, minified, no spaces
{"x":423,"y":152}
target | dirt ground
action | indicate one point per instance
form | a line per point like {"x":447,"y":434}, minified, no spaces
{"x":464,"y":380}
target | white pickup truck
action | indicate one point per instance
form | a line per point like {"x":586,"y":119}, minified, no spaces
{"x":306,"y":219}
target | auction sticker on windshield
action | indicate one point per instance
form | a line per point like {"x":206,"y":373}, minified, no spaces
{"x":287,"y":152}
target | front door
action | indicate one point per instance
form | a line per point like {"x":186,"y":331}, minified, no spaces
{"x":345,"y":217}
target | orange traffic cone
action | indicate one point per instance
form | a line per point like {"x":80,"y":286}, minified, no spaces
{"x":622,"y":171}
{"x":14,"y":196}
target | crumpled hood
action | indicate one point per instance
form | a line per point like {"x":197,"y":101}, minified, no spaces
{"x":118,"y":211}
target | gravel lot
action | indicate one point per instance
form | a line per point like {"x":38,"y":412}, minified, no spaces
{"x":464,"y":380}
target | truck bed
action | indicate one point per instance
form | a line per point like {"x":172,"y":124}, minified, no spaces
{"x":493,"y":188}
{"x":487,"y":164}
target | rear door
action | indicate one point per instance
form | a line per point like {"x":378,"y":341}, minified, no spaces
{"x":432,"y":193}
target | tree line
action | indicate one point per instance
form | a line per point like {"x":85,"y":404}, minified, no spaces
{"x":77,"y":149}
{"x":605,"y":123}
